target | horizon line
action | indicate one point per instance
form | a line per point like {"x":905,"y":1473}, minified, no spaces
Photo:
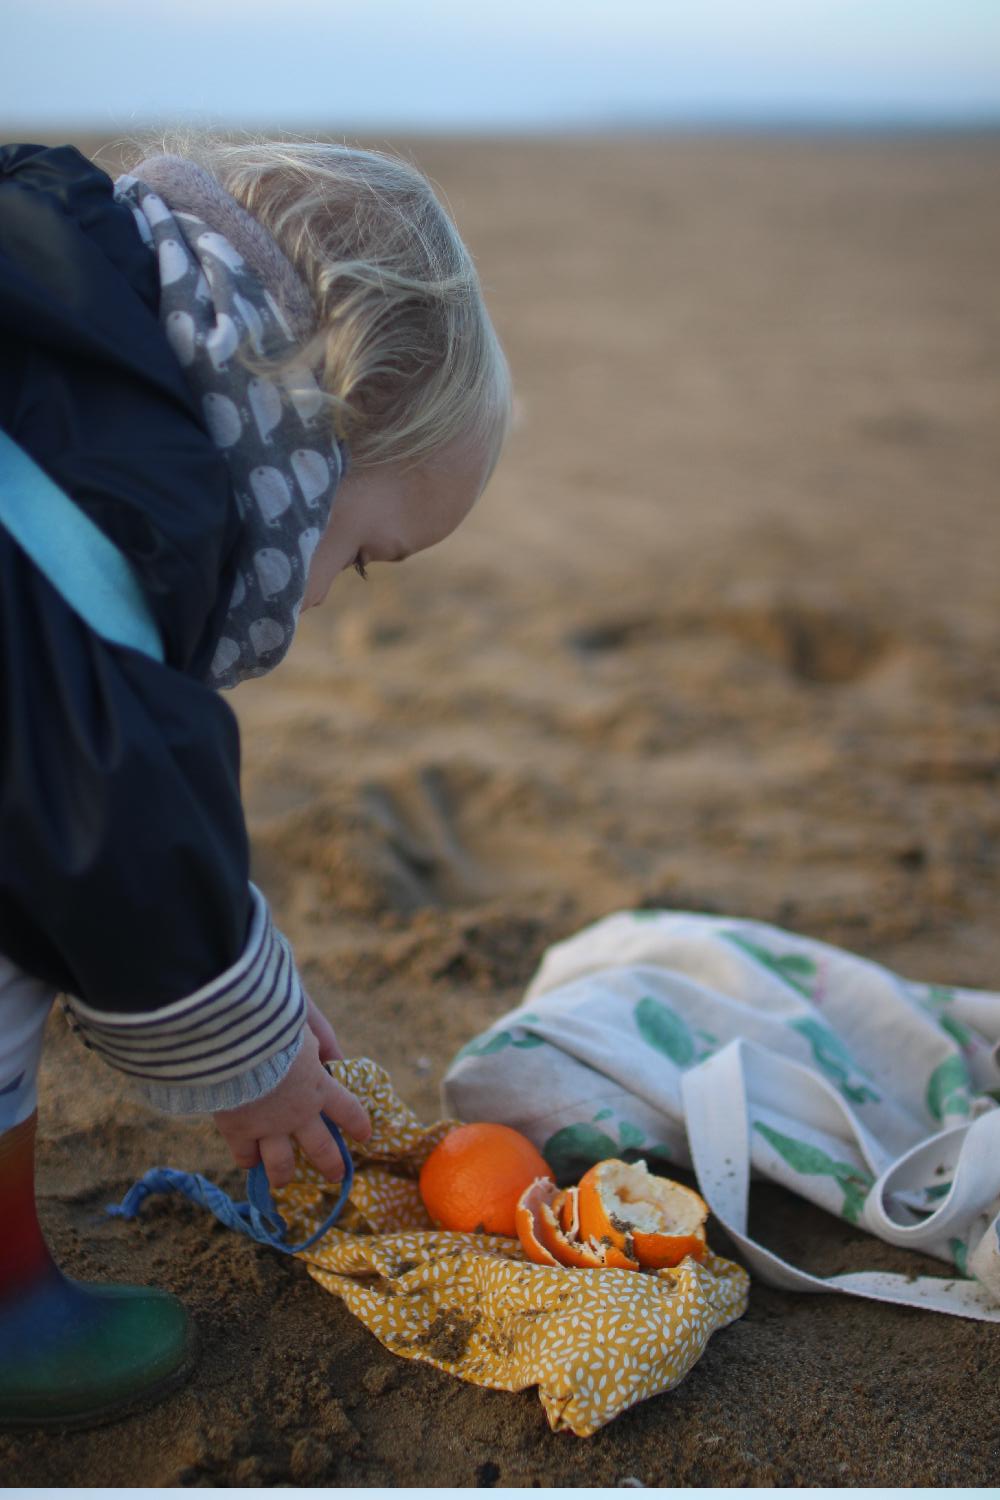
{"x":612,"y":123}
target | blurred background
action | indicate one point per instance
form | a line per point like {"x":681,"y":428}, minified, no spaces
{"x":443,"y":65}
{"x":723,"y":634}
{"x":723,"y":630}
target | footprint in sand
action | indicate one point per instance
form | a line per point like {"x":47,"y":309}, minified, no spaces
{"x":815,"y":644}
{"x":421,"y":857}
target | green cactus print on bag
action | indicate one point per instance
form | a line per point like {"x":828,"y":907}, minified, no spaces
{"x":854,"y":1182}
{"x":669,"y":1033}
{"x":489,"y":1042}
{"x":796,"y":969}
{"x":574,"y":1148}
{"x":830,"y":1054}
{"x":935,"y":998}
{"x":949,"y":1090}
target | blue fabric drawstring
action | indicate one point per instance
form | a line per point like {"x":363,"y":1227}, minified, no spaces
{"x":258,"y":1217}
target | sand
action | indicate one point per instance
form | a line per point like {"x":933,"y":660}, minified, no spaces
{"x":723,"y":635}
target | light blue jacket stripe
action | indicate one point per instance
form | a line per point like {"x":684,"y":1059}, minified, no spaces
{"x":84,"y":565}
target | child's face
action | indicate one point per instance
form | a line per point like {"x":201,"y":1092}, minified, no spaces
{"x":389,"y":512}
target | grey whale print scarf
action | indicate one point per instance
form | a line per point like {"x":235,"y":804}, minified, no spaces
{"x":227,"y":288}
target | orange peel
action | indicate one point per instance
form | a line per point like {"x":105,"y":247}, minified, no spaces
{"x":651,"y":1219}
{"x":539,"y":1223}
{"x":528,"y":1221}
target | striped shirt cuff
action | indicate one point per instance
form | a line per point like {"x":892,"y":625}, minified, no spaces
{"x":229,"y":1043}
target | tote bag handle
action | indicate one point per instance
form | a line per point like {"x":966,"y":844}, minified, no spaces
{"x":717,"y":1119}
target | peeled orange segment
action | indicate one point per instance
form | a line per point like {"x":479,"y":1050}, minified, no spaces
{"x":656,"y":1221}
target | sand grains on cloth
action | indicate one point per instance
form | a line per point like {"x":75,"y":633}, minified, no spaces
{"x":593,"y":1341}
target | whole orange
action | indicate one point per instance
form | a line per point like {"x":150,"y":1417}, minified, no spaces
{"x":472,"y":1180}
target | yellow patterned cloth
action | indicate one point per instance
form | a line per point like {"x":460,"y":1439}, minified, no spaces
{"x":593,"y":1341}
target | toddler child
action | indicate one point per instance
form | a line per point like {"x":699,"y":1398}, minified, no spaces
{"x":224,"y":379}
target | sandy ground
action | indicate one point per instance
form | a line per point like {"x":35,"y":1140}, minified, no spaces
{"x":722,"y":635}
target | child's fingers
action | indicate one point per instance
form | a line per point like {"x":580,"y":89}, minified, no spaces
{"x":245,"y":1153}
{"x":329,"y":1047}
{"x":278,"y":1155}
{"x":346,"y":1111}
{"x":321,"y":1149}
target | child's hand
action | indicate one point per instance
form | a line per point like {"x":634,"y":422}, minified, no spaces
{"x":329,"y":1047}
{"x":265,"y":1129}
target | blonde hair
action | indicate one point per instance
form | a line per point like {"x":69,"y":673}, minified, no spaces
{"x":404,"y":348}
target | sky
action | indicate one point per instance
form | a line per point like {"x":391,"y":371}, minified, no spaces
{"x":486,"y":65}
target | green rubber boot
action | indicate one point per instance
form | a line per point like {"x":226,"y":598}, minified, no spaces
{"x":73,"y":1354}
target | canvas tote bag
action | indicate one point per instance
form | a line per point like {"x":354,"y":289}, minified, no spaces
{"x":733,"y":1047}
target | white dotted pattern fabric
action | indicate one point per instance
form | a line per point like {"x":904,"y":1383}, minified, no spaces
{"x":594,"y":1342}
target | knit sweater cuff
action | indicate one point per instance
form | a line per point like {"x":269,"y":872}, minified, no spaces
{"x":188,"y":1099}
{"x":230,"y":1042}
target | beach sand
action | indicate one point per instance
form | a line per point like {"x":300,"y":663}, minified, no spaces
{"x":723,"y":635}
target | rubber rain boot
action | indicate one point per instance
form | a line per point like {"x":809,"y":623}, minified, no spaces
{"x":73,"y":1354}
